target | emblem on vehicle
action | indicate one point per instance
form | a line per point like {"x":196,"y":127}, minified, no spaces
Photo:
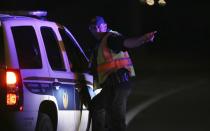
{"x":65,"y":99}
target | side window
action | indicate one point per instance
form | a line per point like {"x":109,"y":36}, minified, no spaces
{"x":27,"y":47}
{"x":52,"y":48}
{"x":74,"y":53}
{"x":1,"y":47}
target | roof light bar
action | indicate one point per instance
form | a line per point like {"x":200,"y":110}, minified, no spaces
{"x":37,"y":13}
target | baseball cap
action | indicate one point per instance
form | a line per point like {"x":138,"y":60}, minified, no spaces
{"x":97,"y":20}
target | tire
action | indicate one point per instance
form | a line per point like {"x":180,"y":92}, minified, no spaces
{"x":44,"y":123}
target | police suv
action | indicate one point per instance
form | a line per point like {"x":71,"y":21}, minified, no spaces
{"x":42,"y":71}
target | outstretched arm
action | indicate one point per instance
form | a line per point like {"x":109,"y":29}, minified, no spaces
{"x":138,"y":41}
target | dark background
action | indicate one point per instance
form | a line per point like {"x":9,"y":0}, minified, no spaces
{"x":183,"y":26}
{"x":178,"y":58}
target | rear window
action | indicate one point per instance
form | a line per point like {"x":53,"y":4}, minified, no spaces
{"x":27,"y":47}
{"x":1,"y":47}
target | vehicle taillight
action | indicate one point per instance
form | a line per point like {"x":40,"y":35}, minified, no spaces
{"x":13,"y":90}
{"x":11,"y":79}
{"x":11,"y":99}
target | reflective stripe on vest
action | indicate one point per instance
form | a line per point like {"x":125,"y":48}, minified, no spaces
{"x":109,"y":61}
{"x":114,"y":64}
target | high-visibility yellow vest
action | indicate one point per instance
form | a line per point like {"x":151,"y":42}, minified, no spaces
{"x":109,"y":61}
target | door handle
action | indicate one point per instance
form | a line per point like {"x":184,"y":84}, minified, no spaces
{"x":56,"y":85}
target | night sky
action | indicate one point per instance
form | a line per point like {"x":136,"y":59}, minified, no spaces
{"x":183,"y":25}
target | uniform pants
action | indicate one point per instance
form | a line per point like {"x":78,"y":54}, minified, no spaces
{"x":108,"y":108}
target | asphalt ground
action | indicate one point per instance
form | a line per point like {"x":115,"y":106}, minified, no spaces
{"x":159,"y":80}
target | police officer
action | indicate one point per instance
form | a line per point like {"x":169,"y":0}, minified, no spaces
{"x":112,"y":68}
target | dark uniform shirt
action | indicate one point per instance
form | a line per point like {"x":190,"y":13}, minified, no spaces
{"x":115,"y":43}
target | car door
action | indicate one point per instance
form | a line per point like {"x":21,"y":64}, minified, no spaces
{"x":64,"y":82}
{"x":78,"y":65}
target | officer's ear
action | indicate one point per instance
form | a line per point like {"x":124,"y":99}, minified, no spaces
{"x":92,"y":28}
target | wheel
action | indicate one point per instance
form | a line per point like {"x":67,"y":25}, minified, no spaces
{"x":44,"y":123}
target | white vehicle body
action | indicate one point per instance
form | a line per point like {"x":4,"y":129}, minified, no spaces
{"x":48,"y":76}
